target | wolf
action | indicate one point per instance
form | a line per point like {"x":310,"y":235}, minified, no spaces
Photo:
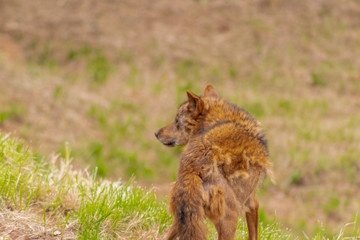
{"x":224,"y":159}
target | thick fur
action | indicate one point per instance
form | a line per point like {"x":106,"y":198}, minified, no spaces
{"x":224,"y":159}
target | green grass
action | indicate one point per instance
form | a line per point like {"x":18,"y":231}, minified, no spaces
{"x":98,"y":65}
{"x":46,"y":58}
{"x":11,"y":112}
{"x":110,"y":209}
{"x":98,"y":209}
{"x":318,"y":80}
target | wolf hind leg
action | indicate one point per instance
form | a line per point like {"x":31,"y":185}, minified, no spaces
{"x":252,"y":218}
{"x":224,"y":210}
{"x":216,"y":203}
{"x":226,"y":226}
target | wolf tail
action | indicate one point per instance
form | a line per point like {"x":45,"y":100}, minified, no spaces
{"x":173,"y":233}
{"x":187,"y":206}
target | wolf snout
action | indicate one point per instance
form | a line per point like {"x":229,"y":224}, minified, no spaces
{"x":165,"y":139}
{"x":157,"y":134}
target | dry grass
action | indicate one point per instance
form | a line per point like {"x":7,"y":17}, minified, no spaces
{"x":27,"y":225}
{"x":47,"y":199}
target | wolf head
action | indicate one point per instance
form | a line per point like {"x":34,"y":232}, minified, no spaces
{"x":178,"y":132}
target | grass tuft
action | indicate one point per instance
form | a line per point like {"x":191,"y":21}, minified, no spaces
{"x":72,"y":202}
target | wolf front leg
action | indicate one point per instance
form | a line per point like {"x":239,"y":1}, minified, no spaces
{"x":252,"y":217}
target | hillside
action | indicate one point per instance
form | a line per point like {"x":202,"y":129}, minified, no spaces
{"x":103,"y":76}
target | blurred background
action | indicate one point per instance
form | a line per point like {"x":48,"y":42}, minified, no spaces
{"x":103,"y":76}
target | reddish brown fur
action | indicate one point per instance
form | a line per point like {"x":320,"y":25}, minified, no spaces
{"x":224,"y":159}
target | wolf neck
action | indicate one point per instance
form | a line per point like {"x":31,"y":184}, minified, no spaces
{"x":218,"y":112}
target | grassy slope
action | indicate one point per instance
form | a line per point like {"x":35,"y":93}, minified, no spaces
{"x":105,"y":84}
{"x":59,"y":202}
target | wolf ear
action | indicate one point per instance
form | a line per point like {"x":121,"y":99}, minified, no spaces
{"x":210,"y":91}
{"x":196,"y":104}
